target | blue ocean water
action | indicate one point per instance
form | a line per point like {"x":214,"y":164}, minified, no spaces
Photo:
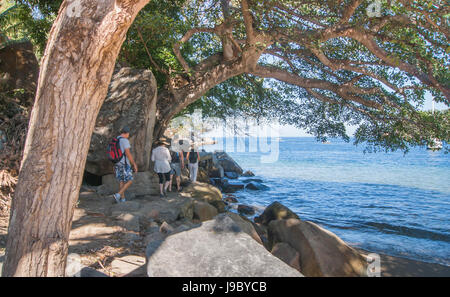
{"x":385,"y":202}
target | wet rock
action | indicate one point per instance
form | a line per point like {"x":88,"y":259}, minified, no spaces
{"x":231,"y":175}
{"x":246,"y":210}
{"x":256,"y":186}
{"x":248,"y":173}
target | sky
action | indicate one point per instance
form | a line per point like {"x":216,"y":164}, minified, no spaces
{"x":291,"y":131}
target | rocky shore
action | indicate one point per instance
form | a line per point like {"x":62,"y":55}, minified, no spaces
{"x":200,"y":232}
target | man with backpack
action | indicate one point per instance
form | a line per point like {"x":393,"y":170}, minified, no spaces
{"x":121,"y":156}
{"x":193,"y":157}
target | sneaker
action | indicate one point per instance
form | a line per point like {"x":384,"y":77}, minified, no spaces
{"x":161,"y":196}
{"x":123,"y":200}
{"x":116,"y":197}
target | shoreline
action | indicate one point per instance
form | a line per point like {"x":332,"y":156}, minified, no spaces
{"x":394,"y":266}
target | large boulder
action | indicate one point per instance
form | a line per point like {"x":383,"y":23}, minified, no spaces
{"x":144,"y":183}
{"x":204,"y":211}
{"x":321,"y":252}
{"x":131,"y":101}
{"x":19,"y":68}
{"x":227,"y":163}
{"x":206,"y":193}
{"x":216,"y":248}
{"x":275,"y":211}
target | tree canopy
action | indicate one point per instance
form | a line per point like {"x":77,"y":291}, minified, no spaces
{"x":318,"y":65}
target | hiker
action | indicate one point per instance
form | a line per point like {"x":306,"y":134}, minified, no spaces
{"x":161,"y":157}
{"x":122,"y":169}
{"x":193,"y":157}
{"x":176,"y":165}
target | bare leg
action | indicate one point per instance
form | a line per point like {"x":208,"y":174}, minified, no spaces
{"x":170,"y":183}
{"x":161,"y":189}
{"x":178,"y":182}
{"x":124,"y":188}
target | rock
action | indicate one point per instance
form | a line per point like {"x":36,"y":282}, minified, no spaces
{"x":2,"y":259}
{"x":168,"y":209}
{"x":256,"y":186}
{"x":19,"y":68}
{"x":216,"y":171}
{"x":246,"y":210}
{"x":144,"y":183}
{"x":131,"y":101}
{"x":202,"y":176}
{"x":130,"y":265}
{"x":275,"y":211}
{"x":165,"y":228}
{"x":81,"y":233}
{"x":263,"y":234}
{"x":230,"y":200}
{"x":227,"y":163}
{"x":91,"y":272}
{"x":204,"y":211}
{"x":124,"y":207}
{"x":322,"y":253}
{"x":246,"y":226}
{"x":248,"y":173}
{"x":206,"y":193}
{"x":231,"y":187}
{"x":129,"y":221}
{"x":232,"y":175}
{"x":287,"y":254}
{"x":216,"y":248}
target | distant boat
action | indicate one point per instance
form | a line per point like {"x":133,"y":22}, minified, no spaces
{"x":435,"y":144}
{"x":326,"y":142}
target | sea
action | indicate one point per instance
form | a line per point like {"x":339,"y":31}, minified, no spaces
{"x":390,"y":203}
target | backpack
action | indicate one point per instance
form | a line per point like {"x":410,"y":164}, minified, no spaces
{"x":114,"y":152}
{"x":193,"y":157}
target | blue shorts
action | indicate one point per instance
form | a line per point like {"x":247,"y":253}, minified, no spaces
{"x":123,"y":172}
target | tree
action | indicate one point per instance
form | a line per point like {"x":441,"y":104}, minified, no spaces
{"x":320,"y":63}
{"x":76,"y":69}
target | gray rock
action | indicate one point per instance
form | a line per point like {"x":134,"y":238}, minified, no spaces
{"x":215,"y":248}
{"x":231,"y":175}
{"x":129,"y":221}
{"x":124,"y":207}
{"x":204,"y":211}
{"x":131,"y":101}
{"x":275,"y":211}
{"x":130,"y":266}
{"x":246,"y":210}
{"x":227,"y":163}
{"x":144,"y":183}
{"x":248,"y":173}
{"x":168,"y":209}
{"x":255,"y":186}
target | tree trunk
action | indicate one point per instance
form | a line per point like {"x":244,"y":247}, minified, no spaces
{"x":76,"y":70}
